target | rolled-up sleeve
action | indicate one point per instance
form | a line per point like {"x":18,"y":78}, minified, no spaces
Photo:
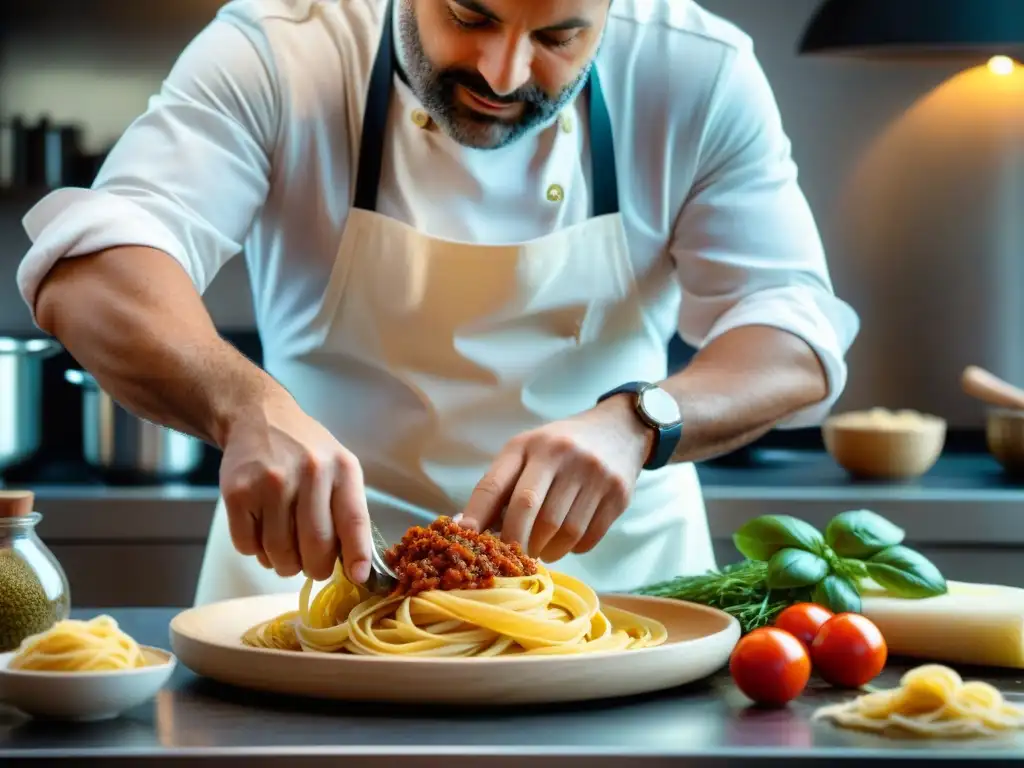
{"x":187,"y":177}
{"x":746,"y":245}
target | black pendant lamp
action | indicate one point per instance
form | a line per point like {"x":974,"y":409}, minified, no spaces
{"x":916,"y":29}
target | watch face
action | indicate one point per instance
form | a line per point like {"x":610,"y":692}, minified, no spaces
{"x":659,"y":406}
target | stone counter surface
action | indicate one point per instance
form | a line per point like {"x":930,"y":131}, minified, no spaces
{"x":965,"y":515}
{"x":965,"y":500}
{"x":197,"y":722}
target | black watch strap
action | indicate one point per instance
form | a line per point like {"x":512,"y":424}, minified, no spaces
{"x":666,"y":439}
{"x":665,"y":442}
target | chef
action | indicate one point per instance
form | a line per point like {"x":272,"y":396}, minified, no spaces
{"x":472,"y":228}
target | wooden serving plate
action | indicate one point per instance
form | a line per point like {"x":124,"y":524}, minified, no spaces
{"x":206,"y":639}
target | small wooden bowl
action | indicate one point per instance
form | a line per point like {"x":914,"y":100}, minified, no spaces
{"x":885,"y":445}
{"x":1004,"y":433}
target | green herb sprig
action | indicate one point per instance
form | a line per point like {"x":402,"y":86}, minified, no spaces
{"x":787,"y":561}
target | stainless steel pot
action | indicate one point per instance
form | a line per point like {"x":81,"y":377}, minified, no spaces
{"x":21,"y":397}
{"x":116,"y":441}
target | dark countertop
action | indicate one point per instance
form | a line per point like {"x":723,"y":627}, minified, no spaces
{"x":194,"y":721}
{"x":969,"y":473}
{"x":773,"y":469}
{"x":966,"y":498}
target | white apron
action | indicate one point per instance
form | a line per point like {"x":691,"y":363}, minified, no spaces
{"x":430,"y":355}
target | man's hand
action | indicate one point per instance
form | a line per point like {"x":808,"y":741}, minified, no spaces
{"x":293,"y":493}
{"x":564,"y":484}
{"x":134,"y":319}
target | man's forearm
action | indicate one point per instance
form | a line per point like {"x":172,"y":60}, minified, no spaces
{"x":132,"y":317}
{"x":740,"y":386}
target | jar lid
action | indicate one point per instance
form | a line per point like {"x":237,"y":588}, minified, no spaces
{"x":16,"y":503}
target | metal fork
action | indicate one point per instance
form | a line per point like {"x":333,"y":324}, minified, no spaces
{"x":382,"y":580}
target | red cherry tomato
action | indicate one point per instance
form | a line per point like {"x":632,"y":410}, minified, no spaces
{"x":770,"y":666}
{"x":803,"y":621}
{"x":849,"y":651}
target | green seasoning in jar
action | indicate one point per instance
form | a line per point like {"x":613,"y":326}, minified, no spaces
{"x":34,"y":593}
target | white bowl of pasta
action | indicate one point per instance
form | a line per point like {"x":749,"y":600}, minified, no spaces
{"x":82,"y":670}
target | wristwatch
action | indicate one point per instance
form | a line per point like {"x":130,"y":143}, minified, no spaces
{"x":657,"y":409}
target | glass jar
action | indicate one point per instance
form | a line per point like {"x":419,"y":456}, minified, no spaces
{"x":34,"y":591}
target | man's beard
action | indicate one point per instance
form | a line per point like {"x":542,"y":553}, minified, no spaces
{"x":436,"y":91}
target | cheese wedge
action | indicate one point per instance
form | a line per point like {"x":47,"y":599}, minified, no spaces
{"x":980,"y":624}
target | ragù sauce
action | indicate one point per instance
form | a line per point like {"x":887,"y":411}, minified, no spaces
{"x":446,"y":556}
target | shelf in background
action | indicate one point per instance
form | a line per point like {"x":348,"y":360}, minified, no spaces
{"x":801,"y":470}
{"x":114,"y":15}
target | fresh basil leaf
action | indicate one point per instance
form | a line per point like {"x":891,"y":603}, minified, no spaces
{"x":853,"y":568}
{"x":762,"y":537}
{"x":905,"y":573}
{"x":861,"y":533}
{"x":793,"y":568}
{"x":848,"y":568}
{"x":838,"y":594}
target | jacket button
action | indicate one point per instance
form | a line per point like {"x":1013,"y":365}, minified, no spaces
{"x":555,"y":193}
{"x":420,"y":118}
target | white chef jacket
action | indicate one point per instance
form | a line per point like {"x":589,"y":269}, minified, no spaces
{"x":251,"y":145}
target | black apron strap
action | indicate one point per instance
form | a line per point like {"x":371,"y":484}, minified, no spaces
{"x":604,"y":177}
{"x":375,"y":118}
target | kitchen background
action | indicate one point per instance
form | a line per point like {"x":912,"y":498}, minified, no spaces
{"x":912,"y":169}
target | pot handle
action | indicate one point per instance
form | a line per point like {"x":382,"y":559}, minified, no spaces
{"x":81,"y":379}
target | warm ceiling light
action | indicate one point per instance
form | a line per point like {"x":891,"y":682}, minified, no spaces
{"x":1002,"y":65}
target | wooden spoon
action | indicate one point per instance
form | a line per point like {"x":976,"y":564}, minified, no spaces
{"x":989,"y":388}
